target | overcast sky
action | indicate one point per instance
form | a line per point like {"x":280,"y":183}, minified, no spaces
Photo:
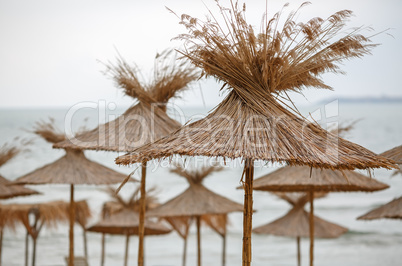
{"x":50,"y":50}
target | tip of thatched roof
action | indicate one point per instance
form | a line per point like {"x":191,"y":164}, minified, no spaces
{"x":7,"y":152}
{"x":170,"y":76}
{"x":195,"y":175}
{"x":48,"y":131}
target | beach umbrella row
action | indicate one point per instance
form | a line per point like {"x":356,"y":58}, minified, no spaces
{"x":146,"y":120}
{"x":196,"y":201}
{"x":48,"y":214}
{"x":313,"y":180}
{"x":7,"y":189}
{"x":253,"y":122}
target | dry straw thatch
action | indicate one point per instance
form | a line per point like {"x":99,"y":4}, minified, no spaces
{"x":197,"y":202}
{"x":391,"y":210}
{"x":312,"y":180}
{"x":146,"y":120}
{"x":296,"y":223}
{"x":121,"y":217}
{"x":73,"y":169}
{"x":48,"y":214}
{"x":259,"y":69}
{"x":394,"y":154}
{"x":7,"y":152}
{"x":302,"y":178}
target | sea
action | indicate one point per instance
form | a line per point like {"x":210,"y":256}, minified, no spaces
{"x":378,"y":127}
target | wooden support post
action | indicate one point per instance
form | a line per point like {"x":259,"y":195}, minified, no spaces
{"x":103,"y":250}
{"x":199,"y":240}
{"x":142,"y":216}
{"x":126,"y":252}
{"x":185,"y":251}
{"x":26,"y":248}
{"x":248,"y":211}
{"x":71,"y":231}
{"x":298,"y":251}
{"x":311,"y":228}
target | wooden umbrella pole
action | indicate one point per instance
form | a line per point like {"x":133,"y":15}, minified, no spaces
{"x":126,"y":252}
{"x":71,"y":232}
{"x":199,"y":240}
{"x":85,"y":243}
{"x":298,"y":251}
{"x":1,"y":242}
{"x":142,"y":216}
{"x":103,"y":250}
{"x":185,"y":251}
{"x":224,"y":249}
{"x":34,"y":250}
{"x":248,"y":211}
{"x":311,"y":228}
{"x":26,"y":248}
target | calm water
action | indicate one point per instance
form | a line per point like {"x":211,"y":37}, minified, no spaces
{"x":376,"y":242}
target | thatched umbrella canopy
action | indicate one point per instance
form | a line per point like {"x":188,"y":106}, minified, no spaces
{"x":196,"y":200}
{"x":259,"y":69}
{"x":10,"y":190}
{"x":8,"y":152}
{"x":313,"y":180}
{"x":144,"y":122}
{"x":296,"y":223}
{"x":45,"y":214}
{"x":394,"y":154}
{"x":73,"y":169}
{"x":7,"y":190}
{"x":391,"y":210}
{"x":120,"y":217}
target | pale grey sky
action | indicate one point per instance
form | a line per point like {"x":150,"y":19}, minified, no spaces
{"x":49,"y":49}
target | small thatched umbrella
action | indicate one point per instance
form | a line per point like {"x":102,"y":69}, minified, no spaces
{"x":144,"y":122}
{"x":259,"y":69}
{"x":45,"y":214}
{"x":120,"y":217}
{"x":394,"y":154}
{"x":126,"y":222}
{"x":7,"y":190}
{"x":296,"y":223}
{"x":73,"y":169}
{"x":196,"y":200}
{"x":312,"y":180}
{"x":391,"y":210}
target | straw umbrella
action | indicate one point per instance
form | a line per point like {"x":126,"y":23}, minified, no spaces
{"x":312,"y":180}
{"x":394,"y":154}
{"x":126,"y":222}
{"x":121,"y":217}
{"x":391,"y":210}
{"x":73,"y":169}
{"x":146,"y":120}
{"x":195,"y":201}
{"x":296,"y":223}
{"x":258,"y":69}
{"x":7,"y":189}
{"x":8,"y":152}
{"x":44,"y":214}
